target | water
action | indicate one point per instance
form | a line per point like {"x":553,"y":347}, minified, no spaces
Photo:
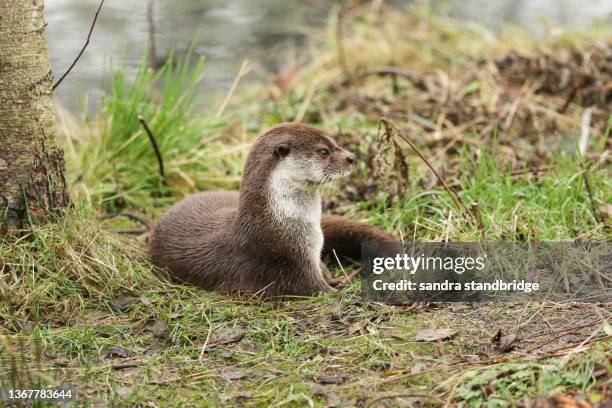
{"x":264,"y":31}
{"x":537,"y":16}
{"x":267,"y":32}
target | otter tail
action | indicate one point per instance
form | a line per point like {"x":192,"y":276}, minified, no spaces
{"x":345,"y":236}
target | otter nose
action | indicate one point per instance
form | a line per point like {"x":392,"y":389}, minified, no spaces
{"x":351,"y":158}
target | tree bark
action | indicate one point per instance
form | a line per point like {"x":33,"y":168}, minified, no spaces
{"x":32,"y":184}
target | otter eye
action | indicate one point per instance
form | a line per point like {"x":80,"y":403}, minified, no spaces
{"x":281,"y":150}
{"x":323,"y":152}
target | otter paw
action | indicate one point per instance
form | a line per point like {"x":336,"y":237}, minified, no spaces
{"x":329,"y":289}
{"x":324,"y":287}
{"x":325,"y":272}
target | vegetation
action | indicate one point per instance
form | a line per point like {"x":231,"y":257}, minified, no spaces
{"x":81,"y":306}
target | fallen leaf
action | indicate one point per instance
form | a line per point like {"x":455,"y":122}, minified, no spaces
{"x":560,"y":401}
{"x":239,"y":395}
{"x":249,"y":347}
{"x":235,"y":375}
{"x":95,"y":315}
{"x":145,"y":300}
{"x":332,"y":399}
{"x":392,"y":334}
{"x":126,"y":371}
{"x":159,"y":328}
{"x":123,"y":391}
{"x":504,"y":343}
{"x":124,"y":302}
{"x":600,"y":373}
{"x":435,"y":334}
{"x":27,"y":327}
{"x":61,"y":362}
{"x":330,"y":379}
{"x":353,"y":328}
{"x":582,"y":237}
{"x":119,"y":352}
{"x":228,"y":335}
{"x":606,"y":209}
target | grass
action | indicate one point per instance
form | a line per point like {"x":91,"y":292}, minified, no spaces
{"x":81,"y":306}
{"x":112,"y":164}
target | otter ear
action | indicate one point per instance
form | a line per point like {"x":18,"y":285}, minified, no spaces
{"x":282,"y":150}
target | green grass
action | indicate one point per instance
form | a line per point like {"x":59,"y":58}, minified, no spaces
{"x":113,"y":162}
{"x":495,"y":386}
{"x":554,"y":207}
{"x":80,"y":304}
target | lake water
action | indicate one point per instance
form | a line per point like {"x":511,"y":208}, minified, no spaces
{"x":267,"y":32}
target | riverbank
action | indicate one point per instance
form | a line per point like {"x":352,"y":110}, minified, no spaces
{"x":502,"y":120}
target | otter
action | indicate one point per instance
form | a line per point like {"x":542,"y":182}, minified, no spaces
{"x":269,"y":237}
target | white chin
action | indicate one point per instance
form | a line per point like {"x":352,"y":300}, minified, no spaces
{"x":342,"y":175}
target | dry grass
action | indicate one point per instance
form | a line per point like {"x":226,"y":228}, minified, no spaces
{"x":80,"y":305}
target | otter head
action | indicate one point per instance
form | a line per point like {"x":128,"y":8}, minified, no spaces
{"x":283,"y":175}
{"x":307,"y":156}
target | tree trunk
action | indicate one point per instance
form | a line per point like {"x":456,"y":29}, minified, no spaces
{"x":32,"y":184}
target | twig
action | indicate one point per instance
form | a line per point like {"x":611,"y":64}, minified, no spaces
{"x":555,"y":352}
{"x":515,"y":105}
{"x":243,"y":71}
{"x":573,"y":351}
{"x":585,"y":125}
{"x":587,"y":185}
{"x":152,"y":47}
{"x":340,"y":44}
{"x":160,"y":161}
{"x":583,"y":144}
{"x":409,"y":374}
{"x":477,"y":216}
{"x":123,"y":366}
{"x":391,"y":128}
{"x":570,"y":329}
{"x":200,"y":359}
{"x":562,"y":334}
{"x":93,"y":23}
{"x":570,"y":98}
{"x":339,"y":263}
{"x":345,"y":279}
{"x":387,"y":70}
{"x":306,"y":103}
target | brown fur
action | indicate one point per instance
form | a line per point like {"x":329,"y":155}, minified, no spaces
{"x":237,"y":241}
